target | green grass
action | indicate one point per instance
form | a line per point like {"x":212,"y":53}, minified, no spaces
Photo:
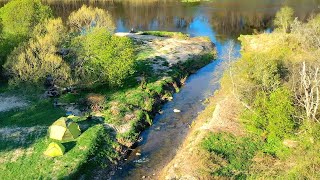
{"x":133,"y":104}
{"x":181,"y":70}
{"x":233,"y":155}
{"x":30,"y":163}
{"x":42,"y":113}
{"x":167,"y":34}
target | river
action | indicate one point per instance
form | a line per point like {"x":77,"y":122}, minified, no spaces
{"x":222,"y":21}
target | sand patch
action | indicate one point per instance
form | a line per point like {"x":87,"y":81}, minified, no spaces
{"x":167,"y":51}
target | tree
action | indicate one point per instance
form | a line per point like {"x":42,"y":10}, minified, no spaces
{"x":102,"y":58}
{"x":36,"y":59}
{"x":88,"y":17}
{"x":284,"y":18}
{"x":308,"y":90}
{"x":19,"y":17}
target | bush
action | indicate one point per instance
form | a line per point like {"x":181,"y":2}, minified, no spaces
{"x":257,"y":73}
{"x":272,"y":118}
{"x":88,"y":17}
{"x":283,"y":19}
{"x":19,"y":17}
{"x":102,"y":58}
{"x":33,"y":61}
{"x":307,"y":34}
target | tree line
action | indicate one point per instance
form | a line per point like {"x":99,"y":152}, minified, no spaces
{"x":80,"y":52}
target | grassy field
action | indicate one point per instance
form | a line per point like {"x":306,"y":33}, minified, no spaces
{"x":125,"y":112}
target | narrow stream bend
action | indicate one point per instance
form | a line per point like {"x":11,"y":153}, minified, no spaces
{"x":161,"y":141}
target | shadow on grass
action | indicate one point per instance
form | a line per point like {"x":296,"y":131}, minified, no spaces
{"x":23,"y":137}
{"x":40,"y":114}
{"x":69,"y":145}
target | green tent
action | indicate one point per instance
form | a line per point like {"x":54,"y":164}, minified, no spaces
{"x":55,"y":149}
{"x":64,"y":130}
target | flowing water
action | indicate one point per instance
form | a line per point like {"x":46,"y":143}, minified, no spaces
{"x":161,"y":141}
{"x":222,"y":21}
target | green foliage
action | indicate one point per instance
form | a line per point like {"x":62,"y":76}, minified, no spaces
{"x":87,"y":18}
{"x":258,"y":72}
{"x":103,"y":58}
{"x":33,"y":61}
{"x":40,"y":113}
{"x":236,"y":151}
{"x":35,"y":165}
{"x":166,"y":34}
{"x":271,"y":117}
{"x":280,"y":112}
{"x":19,"y":17}
{"x":283,"y":19}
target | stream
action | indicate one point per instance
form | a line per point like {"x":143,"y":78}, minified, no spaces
{"x":161,"y":141}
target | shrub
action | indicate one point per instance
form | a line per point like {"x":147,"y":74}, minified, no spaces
{"x":102,"y":58}
{"x":283,"y":19}
{"x":272,"y":118}
{"x":33,"y":61}
{"x":308,"y":34}
{"x":19,"y":17}
{"x":88,"y":17}
{"x":257,"y":73}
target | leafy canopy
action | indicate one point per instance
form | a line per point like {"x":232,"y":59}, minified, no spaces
{"x":33,"y":61}
{"x":103,"y":58}
{"x":88,"y":17}
{"x":284,"y":18}
{"x":19,"y":17}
